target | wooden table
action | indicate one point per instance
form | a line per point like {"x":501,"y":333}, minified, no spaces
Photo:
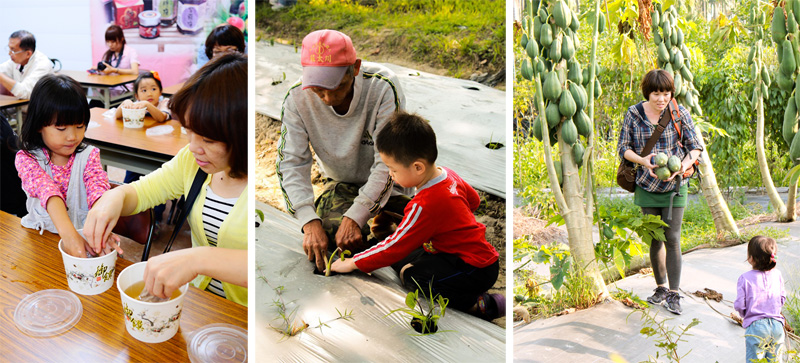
{"x":31,"y":263}
{"x":171,"y":90}
{"x":13,"y":102}
{"x":132,"y":149}
{"x":103,"y":82}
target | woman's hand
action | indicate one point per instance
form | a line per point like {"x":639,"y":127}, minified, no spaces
{"x":168,"y":272}
{"x":344,"y":266}
{"x":102,"y":218}
{"x":646,"y":163}
{"x":108,"y":69}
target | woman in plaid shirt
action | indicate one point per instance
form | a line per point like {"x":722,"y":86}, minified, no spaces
{"x":652,"y":194}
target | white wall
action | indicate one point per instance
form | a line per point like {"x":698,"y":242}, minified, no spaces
{"x":61,"y":28}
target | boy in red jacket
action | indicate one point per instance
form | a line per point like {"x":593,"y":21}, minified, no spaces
{"x":438,"y":241}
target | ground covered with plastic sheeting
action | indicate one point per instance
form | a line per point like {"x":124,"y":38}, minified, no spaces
{"x":597,"y":333}
{"x":368,"y":335}
{"x":467,"y":116}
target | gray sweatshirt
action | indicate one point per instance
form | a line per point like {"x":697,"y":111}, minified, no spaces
{"x":343,"y":144}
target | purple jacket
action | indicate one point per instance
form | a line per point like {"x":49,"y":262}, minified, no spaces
{"x":759,"y":295}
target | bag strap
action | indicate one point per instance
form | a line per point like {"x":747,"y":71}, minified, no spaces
{"x":666,"y":116}
{"x":194,"y":190}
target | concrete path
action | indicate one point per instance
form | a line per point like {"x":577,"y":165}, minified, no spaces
{"x":593,"y":335}
{"x":466,"y":115}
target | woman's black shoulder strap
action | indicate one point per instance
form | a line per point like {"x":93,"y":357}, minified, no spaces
{"x":194,"y":190}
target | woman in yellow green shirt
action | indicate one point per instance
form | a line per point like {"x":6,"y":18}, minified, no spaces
{"x":212,"y":106}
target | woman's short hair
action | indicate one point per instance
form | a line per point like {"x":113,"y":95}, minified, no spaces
{"x":657,"y":80}
{"x":213,"y":104}
{"x":224,"y":35}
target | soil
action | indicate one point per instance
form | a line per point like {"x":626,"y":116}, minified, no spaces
{"x":492,"y":212}
{"x":708,"y":294}
{"x":535,"y":230}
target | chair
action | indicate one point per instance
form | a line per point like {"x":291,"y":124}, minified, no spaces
{"x":138,"y":227}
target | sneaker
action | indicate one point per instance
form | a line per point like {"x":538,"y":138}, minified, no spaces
{"x":491,"y":306}
{"x":673,"y":304}
{"x":659,"y":296}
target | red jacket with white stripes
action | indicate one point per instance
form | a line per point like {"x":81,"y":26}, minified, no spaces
{"x":440,"y":219}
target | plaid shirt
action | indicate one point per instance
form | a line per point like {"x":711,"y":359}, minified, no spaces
{"x":636,"y":130}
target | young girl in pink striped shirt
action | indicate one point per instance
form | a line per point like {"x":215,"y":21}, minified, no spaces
{"x":61,"y":175}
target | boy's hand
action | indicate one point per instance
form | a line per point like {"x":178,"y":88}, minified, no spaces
{"x":343,"y":266}
{"x":348,"y":237}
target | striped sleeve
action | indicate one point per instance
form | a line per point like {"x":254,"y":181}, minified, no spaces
{"x":414,"y":230}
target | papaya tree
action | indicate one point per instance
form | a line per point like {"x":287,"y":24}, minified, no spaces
{"x":784,"y":31}
{"x":672,"y":55}
{"x":550,"y":39}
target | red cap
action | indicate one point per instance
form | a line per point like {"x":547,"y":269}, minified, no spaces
{"x":325,"y":57}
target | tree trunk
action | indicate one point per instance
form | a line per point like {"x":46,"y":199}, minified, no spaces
{"x":723,"y":220}
{"x":766,"y":178}
{"x":791,"y":203}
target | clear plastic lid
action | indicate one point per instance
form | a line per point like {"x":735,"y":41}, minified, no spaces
{"x":218,"y":343}
{"x":48,"y":312}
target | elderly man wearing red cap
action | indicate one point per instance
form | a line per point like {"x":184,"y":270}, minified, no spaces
{"x":338,"y":107}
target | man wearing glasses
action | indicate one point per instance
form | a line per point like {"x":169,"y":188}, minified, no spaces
{"x":338,"y":107}
{"x":26,"y":66}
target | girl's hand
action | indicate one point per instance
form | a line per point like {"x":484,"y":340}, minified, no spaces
{"x":168,"y":272}
{"x":112,"y":244}
{"x":102,"y":218}
{"x":75,"y":245}
{"x":344,"y":266}
{"x":646,"y":163}
{"x":140,"y":104}
{"x":126,"y":104}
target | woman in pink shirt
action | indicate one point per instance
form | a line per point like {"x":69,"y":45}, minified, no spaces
{"x":61,"y":175}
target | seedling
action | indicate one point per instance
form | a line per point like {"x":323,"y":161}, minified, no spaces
{"x":422,"y":322}
{"x":260,"y":216}
{"x":342,"y":256}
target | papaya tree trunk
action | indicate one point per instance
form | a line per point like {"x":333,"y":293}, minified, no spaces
{"x":791,"y":204}
{"x":766,"y":178}
{"x":723,"y":220}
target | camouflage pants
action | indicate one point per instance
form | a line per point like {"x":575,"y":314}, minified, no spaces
{"x":337,"y":198}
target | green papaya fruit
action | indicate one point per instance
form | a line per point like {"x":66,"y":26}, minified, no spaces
{"x":673,"y":36}
{"x":569,"y":132}
{"x":523,"y":40}
{"x":574,"y":23}
{"x":559,"y":172}
{"x":562,"y":14}
{"x":657,"y":38}
{"x":597,"y":90}
{"x":543,"y":15}
{"x":764,"y":91}
{"x":791,"y":24}
{"x":578,"y":95}
{"x":666,"y":28}
{"x":663,"y":54}
{"x":601,"y":25}
{"x":574,"y":73}
{"x":668,"y":68}
{"x":778,"y":25}
{"x":585,"y":74}
{"x":525,"y":70}
{"x":537,"y":29}
{"x":552,"y":115}
{"x":662,"y":173}
{"x":686,"y":53}
{"x":677,"y":64}
{"x":576,"y":42}
{"x":750,"y":55}
{"x":687,"y":74}
{"x":552,"y":87}
{"x":779,"y":51}
{"x":794,"y":150}
{"x":797,"y":94}
{"x":668,"y":42}
{"x":788,"y":64}
{"x":688,"y":99}
{"x":555,"y":50}
{"x":583,"y":124}
{"x":678,"y":82}
{"x":655,"y":17}
{"x":660,"y":159}
{"x":546,"y":35}
{"x":567,"y":49}
{"x":577,"y":153}
{"x":539,"y":66}
{"x":597,"y":70}
{"x":784,"y":82}
{"x":765,"y":76}
{"x":537,"y":128}
{"x":674,"y":164}
{"x":566,"y":105}
{"x":790,"y":121}
{"x":532,"y":49}
{"x":679,"y":33}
